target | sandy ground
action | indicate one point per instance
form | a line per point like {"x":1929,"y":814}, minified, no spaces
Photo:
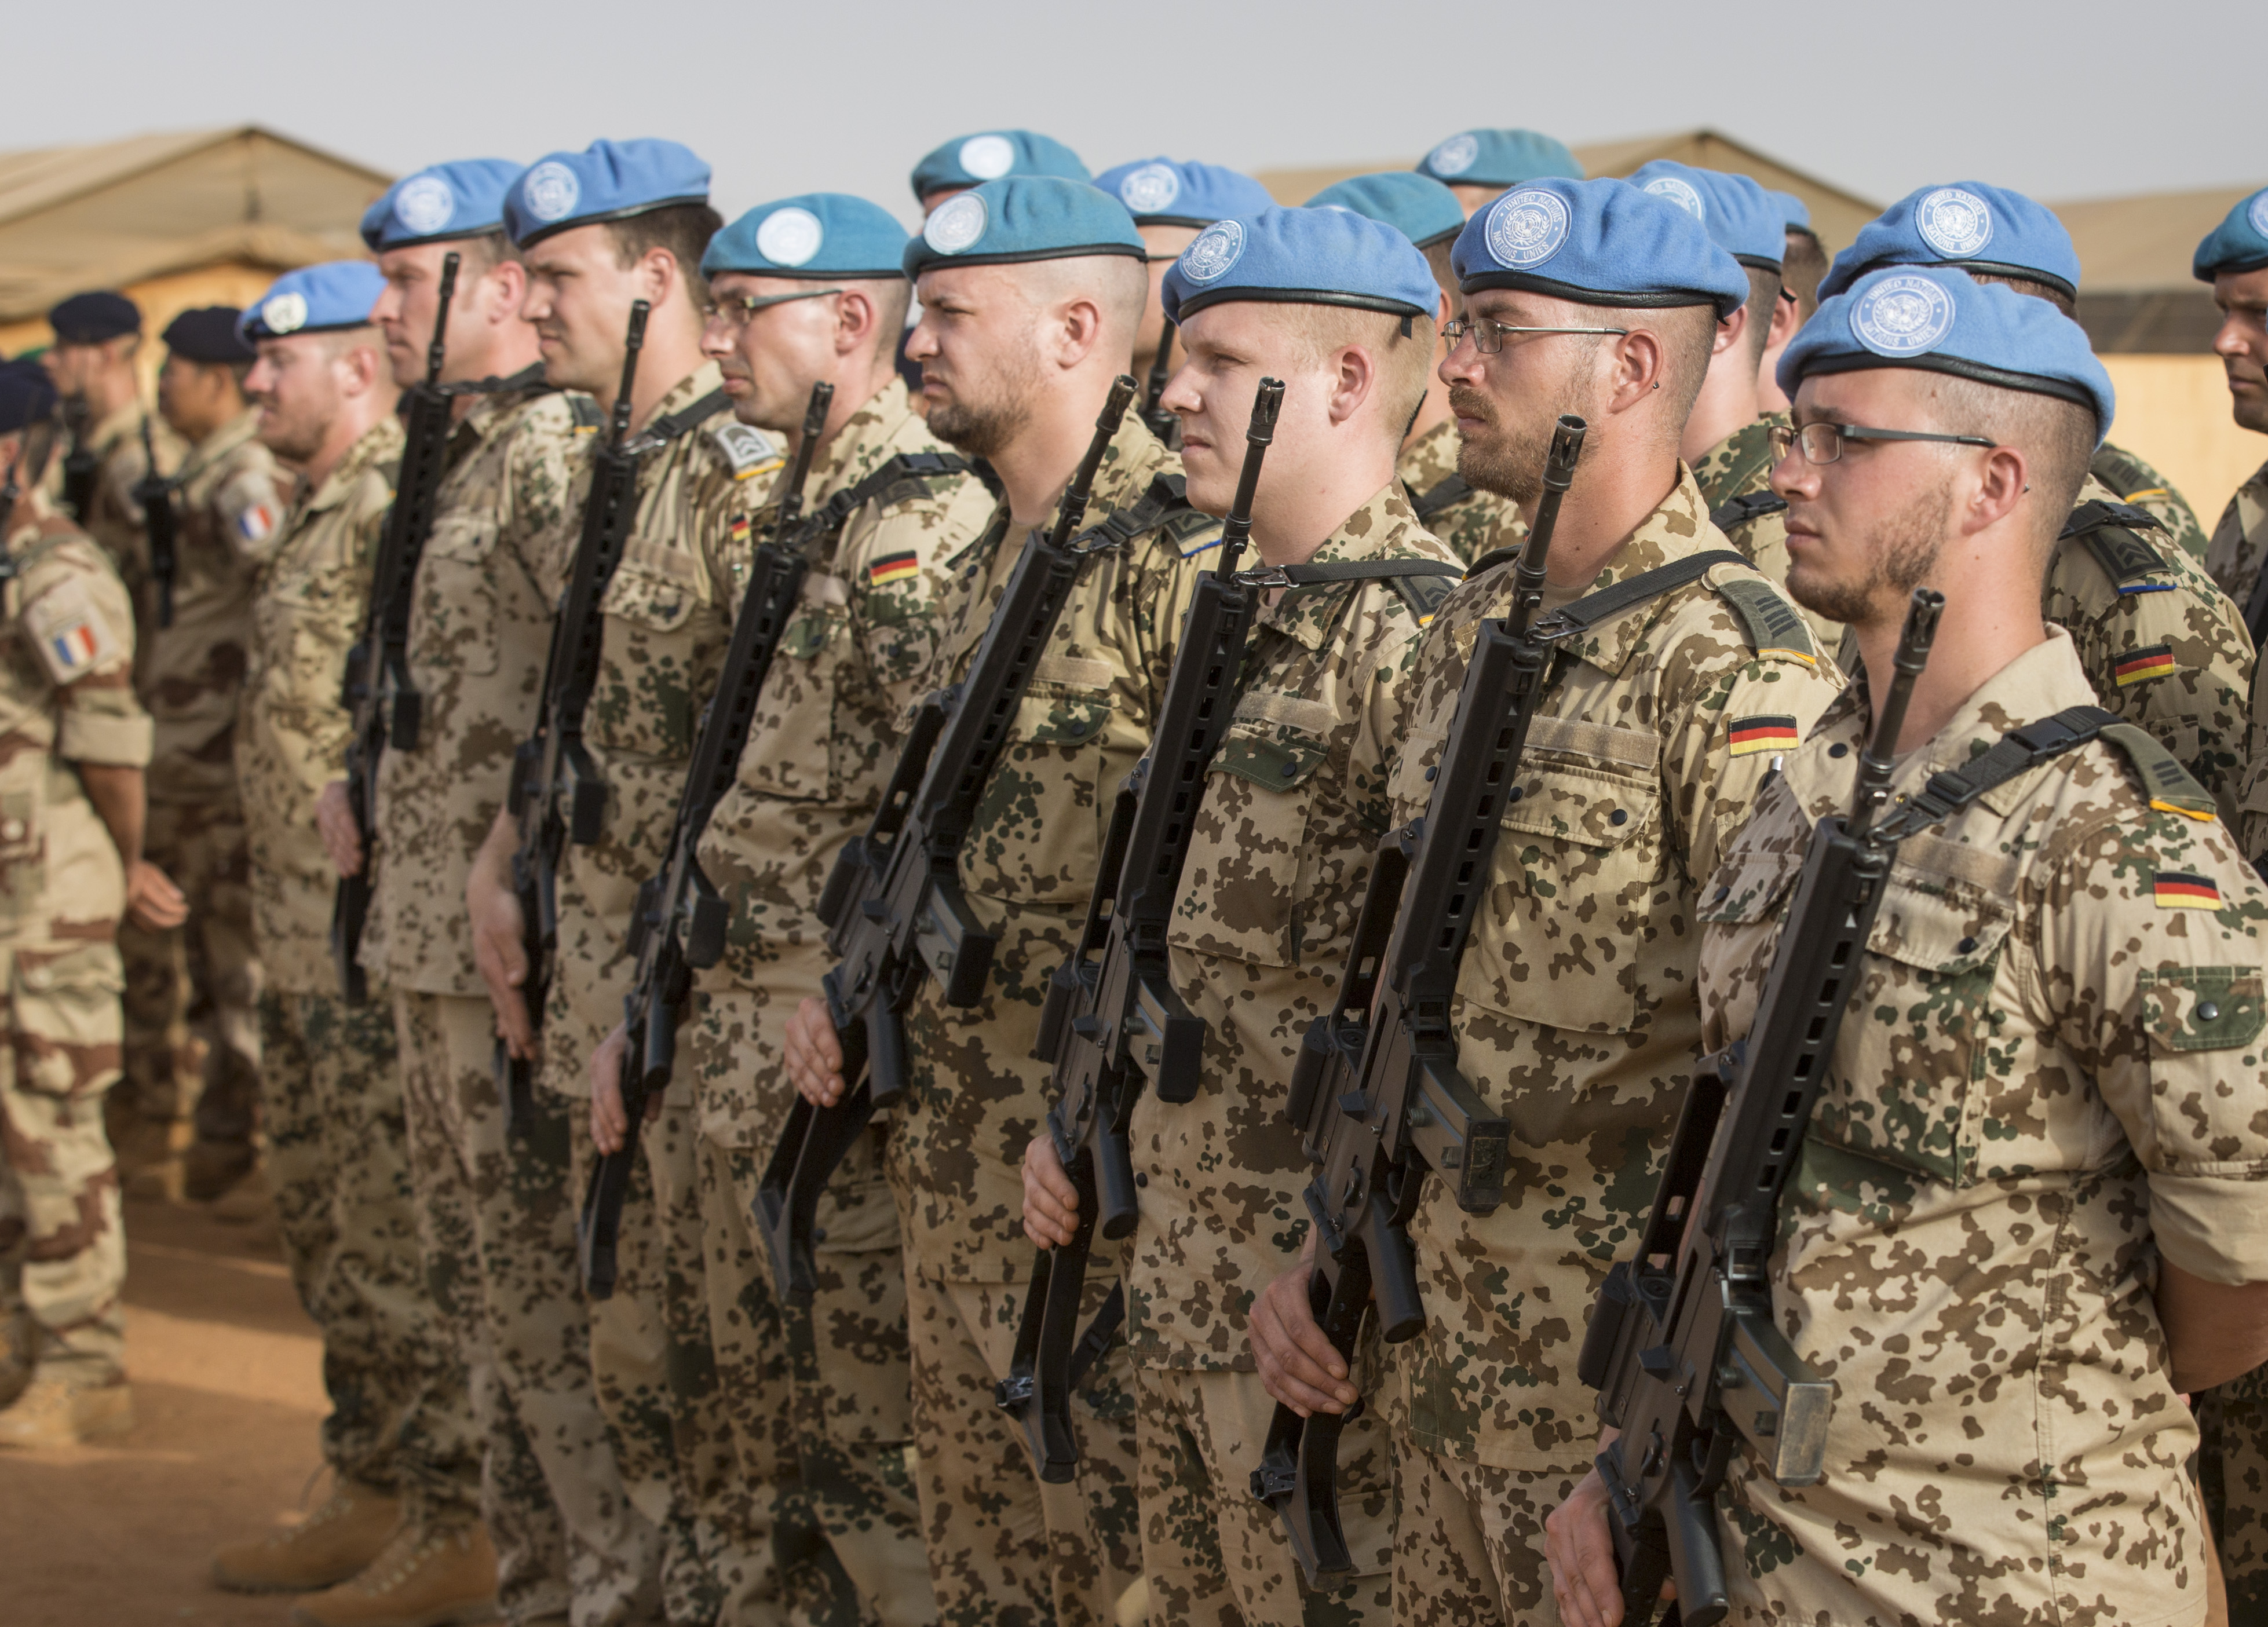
{"x":228,"y":1392}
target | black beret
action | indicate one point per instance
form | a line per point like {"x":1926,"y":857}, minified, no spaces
{"x":27,"y":396}
{"x":207,"y":334}
{"x":90,"y":318}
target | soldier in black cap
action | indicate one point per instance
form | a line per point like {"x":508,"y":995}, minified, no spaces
{"x":92,"y":362}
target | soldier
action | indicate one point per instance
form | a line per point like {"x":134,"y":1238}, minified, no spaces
{"x":1031,"y":290}
{"x":76,"y":740}
{"x":1469,"y":522}
{"x":1478,"y":165}
{"x":805,"y":290}
{"x":2163,"y":646}
{"x":494,"y":1221}
{"x":97,"y":336}
{"x":1171,"y":203}
{"x":599,"y":230}
{"x":1574,"y":1014}
{"x":2234,"y":258}
{"x":1803,"y":262}
{"x":1279,"y":858}
{"x":192,"y":1083}
{"x":2091,"y":925}
{"x":968,"y":161}
{"x":400,"y":1537}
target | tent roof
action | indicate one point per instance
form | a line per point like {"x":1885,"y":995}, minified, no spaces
{"x":2144,"y":243}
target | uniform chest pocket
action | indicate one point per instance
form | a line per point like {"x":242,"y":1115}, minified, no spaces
{"x":793,"y":751}
{"x":654,"y":588}
{"x":1250,"y":878}
{"x":1037,"y":834}
{"x":457,"y":595}
{"x":658,"y":664}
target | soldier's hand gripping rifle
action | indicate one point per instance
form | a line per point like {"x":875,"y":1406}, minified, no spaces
{"x":679,"y":923}
{"x":153,"y":495}
{"x":1113,"y":1022}
{"x":1377,"y":1093}
{"x":376,"y":690}
{"x":556,"y":794}
{"x":1683,"y":1348}
{"x":893,"y":905}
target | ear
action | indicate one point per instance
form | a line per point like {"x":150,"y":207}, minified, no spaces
{"x":1786,"y":317}
{"x":502,"y":290}
{"x":2000,"y":486}
{"x":1635,"y":367}
{"x":1076,"y":328}
{"x":855,"y":321}
{"x":1730,"y":330}
{"x":1354,"y":380}
{"x":658,"y":274}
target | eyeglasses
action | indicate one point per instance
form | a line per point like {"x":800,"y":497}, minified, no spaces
{"x":1488,"y":336}
{"x":1823,"y":443}
{"x":734,"y":310}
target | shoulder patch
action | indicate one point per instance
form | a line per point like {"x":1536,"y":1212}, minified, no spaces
{"x":584,"y":411}
{"x":1425,"y":594}
{"x":2170,"y":786}
{"x":1769,"y":732}
{"x":69,"y":630}
{"x":1770,"y":624}
{"x":888,"y":567}
{"x":747,"y":449}
{"x":2183,"y":889}
{"x":2141,"y":665}
{"x":2111,"y":532}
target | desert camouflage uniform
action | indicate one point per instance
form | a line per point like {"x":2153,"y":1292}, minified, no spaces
{"x":824,"y":740}
{"x":1280,"y":855}
{"x":1002,"y":1546}
{"x":496,"y":1222}
{"x":1468,"y":522}
{"x":1575,"y":1017}
{"x":332,"y":1102}
{"x":1741,"y":466}
{"x":667,"y":615}
{"x":2240,"y":541}
{"x":2048,"y":1079}
{"x":2234,"y":1467}
{"x":2137,"y":482}
{"x":191,"y":1019}
{"x":66,"y":697}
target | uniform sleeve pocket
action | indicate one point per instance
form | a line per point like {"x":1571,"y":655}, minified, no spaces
{"x":2202,"y":1008}
{"x":1273,"y":764}
{"x":654,"y":587}
{"x":1061,"y":718}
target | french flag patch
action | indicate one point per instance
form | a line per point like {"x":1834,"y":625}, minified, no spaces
{"x":255,"y":523}
{"x":74,"y":647}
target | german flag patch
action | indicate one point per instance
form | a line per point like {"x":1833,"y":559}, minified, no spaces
{"x":2136,"y":666}
{"x":1751,"y":735}
{"x":2178,"y":889}
{"x":893,"y":568}
{"x":740,"y":529}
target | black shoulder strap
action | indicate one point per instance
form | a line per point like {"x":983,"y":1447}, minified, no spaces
{"x":1951,"y":789}
{"x":907,"y":466}
{"x":1587,"y":611}
{"x":1445,"y":493}
{"x":528,"y":378}
{"x":1166,"y":497}
{"x":661,"y":431}
{"x":1422,"y":583}
{"x":1734,"y":512}
{"x":1490,"y":560}
{"x":2108,"y":530}
{"x":584,"y":411}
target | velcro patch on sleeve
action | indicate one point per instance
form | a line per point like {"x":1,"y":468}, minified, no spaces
{"x":893,"y":568}
{"x":1751,"y":735}
{"x":2180,"y":889}
{"x":747,"y":449}
{"x":70,"y":632}
{"x":2140,"y":666}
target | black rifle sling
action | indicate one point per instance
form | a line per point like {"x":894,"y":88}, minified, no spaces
{"x":1444,"y":494}
{"x":661,"y":431}
{"x":1610,"y":602}
{"x":831,"y":515}
{"x":1734,"y":512}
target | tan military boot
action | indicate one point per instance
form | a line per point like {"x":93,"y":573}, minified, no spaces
{"x":337,"y":1541}
{"x":438,"y":1576}
{"x":58,"y":1411}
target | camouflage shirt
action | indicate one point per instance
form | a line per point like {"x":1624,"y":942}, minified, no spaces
{"x":226,"y":508}
{"x":480,"y":628}
{"x":976,"y":1096}
{"x":1470,"y":523}
{"x":2137,"y":482}
{"x":306,"y":610}
{"x":66,"y":697}
{"x":1741,"y":466}
{"x":1280,"y":855}
{"x":2241,"y":540}
{"x":2165,"y":649}
{"x":1575,"y":1013}
{"x":2048,"y":1078}
{"x":668,"y":615}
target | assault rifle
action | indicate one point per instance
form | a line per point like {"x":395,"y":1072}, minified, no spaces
{"x":1113,"y":1022}
{"x":1167,"y":426}
{"x":376,"y":690}
{"x":1682,"y":1347}
{"x":893,"y":905}
{"x":81,"y":467}
{"x":557,"y":795}
{"x":153,"y":495}
{"x":1377,"y":1093}
{"x":679,"y":924}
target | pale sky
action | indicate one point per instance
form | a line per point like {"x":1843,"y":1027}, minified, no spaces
{"x":2080,"y":99}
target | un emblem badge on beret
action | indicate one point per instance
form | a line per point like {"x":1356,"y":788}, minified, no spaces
{"x":789,"y":237}
{"x":1902,"y":316}
{"x":2257,"y":214}
{"x":286,"y":313}
{"x":1680,"y":192}
{"x":1454,"y":155}
{"x":1217,"y":248}
{"x":1955,"y":222}
{"x":550,"y":190}
{"x":987,"y":158}
{"x":1149,"y":188}
{"x":1526,"y":228}
{"x":957,"y":223}
{"x":425,"y":205}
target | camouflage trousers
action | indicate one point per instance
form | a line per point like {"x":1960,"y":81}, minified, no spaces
{"x":62,"y":1247}
{"x":192,"y":994}
{"x":495,"y":1223}
{"x":1215,"y":1555}
{"x":1472,"y":1543}
{"x":1005,"y":1546}
{"x":2235,"y":1420}
{"x":338,"y":1156}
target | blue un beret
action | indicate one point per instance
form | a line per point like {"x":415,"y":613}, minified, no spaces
{"x":1597,"y":242}
{"x":90,"y":318}
{"x":1989,"y":230}
{"x":441,"y":202}
{"x":607,"y":180}
{"x":313,"y":300}
{"x":1794,"y":213}
{"x":207,"y":334}
{"x":1738,"y":213}
{"x":1023,"y":217}
{"x":817,"y":235}
{"x":2239,"y":243}
{"x":1419,"y":207}
{"x":1159,"y":192}
{"x":27,"y":395}
{"x":1944,"y":320}
{"x":1302,"y":256}
{"x":1498,"y":159}
{"x":995,"y":155}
